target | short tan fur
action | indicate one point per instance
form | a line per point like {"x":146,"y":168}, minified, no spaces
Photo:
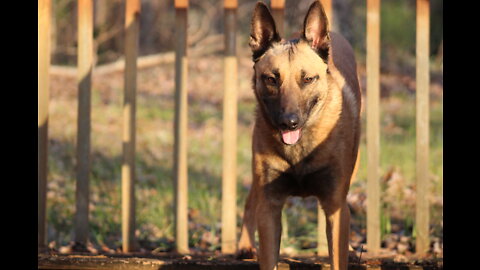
{"x":306,"y":133}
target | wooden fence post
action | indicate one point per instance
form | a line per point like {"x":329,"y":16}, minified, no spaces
{"x":422,"y":126}
{"x":132,"y":19}
{"x":322,"y":246}
{"x":181,"y":126}
{"x":44,"y":17}
{"x":278,"y":13}
{"x":229,"y":170}
{"x":84,"y":77}
{"x":327,"y":6}
{"x":373,"y":125}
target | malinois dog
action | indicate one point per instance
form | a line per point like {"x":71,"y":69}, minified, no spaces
{"x":306,"y":132}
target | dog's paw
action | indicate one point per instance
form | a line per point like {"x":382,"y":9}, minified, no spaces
{"x":246,"y":253}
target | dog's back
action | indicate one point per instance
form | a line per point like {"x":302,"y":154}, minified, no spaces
{"x":344,"y":61}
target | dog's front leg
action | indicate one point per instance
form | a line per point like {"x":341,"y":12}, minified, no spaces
{"x":269,"y":216}
{"x":338,"y":231}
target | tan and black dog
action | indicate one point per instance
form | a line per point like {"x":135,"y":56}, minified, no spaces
{"x":306,"y":133}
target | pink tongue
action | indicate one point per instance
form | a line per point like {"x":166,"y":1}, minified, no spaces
{"x":291,"y":137}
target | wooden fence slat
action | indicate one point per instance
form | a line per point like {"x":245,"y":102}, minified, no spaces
{"x":132,"y":22}
{"x":422,"y":126}
{"x":44,"y":17}
{"x":84,"y":77}
{"x":277,"y":4}
{"x":278,"y":14}
{"x":230,"y":4}
{"x":181,"y":126}
{"x":229,"y":162}
{"x":373,"y":125}
{"x":181,"y":3}
{"x":327,"y":6}
{"x":322,"y":246}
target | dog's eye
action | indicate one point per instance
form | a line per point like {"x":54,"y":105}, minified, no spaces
{"x":307,"y":80}
{"x":271,"y":80}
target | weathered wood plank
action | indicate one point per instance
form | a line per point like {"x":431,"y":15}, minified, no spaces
{"x":181,"y":128}
{"x":98,"y":262}
{"x":278,"y":14}
{"x":230,"y":4}
{"x":373,"y":125}
{"x":215,"y":263}
{"x":322,"y":246}
{"x":132,"y":21}
{"x":229,"y":162}
{"x":84,"y":77}
{"x":44,"y":17}
{"x":327,"y":6}
{"x":422,"y":126}
{"x":322,"y":249}
{"x":277,"y":4}
{"x":181,"y":3}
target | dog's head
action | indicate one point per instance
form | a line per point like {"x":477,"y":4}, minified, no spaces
{"x":290,"y":79}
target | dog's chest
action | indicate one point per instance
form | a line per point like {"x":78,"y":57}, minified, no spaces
{"x":307,"y":175}
{"x":307,"y":154}
{"x":301,"y":181}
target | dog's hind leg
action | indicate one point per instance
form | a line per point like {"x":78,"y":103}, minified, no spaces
{"x":246,"y":244}
{"x":338,"y":231}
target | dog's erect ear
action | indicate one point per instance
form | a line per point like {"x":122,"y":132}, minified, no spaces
{"x":263,"y":30}
{"x":316,"y":29}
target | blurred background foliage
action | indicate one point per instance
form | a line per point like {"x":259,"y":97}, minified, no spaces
{"x":155,"y":110}
{"x":157,"y":27}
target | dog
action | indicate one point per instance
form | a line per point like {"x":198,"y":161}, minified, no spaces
{"x":306,"y":133}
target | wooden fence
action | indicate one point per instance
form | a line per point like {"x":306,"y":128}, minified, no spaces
{"x":229,"y":177}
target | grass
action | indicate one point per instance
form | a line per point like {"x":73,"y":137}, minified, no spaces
{"x":154,"y":189}
{"x":397,"y":137}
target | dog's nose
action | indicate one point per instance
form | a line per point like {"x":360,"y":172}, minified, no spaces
{"x":290,"y":121}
